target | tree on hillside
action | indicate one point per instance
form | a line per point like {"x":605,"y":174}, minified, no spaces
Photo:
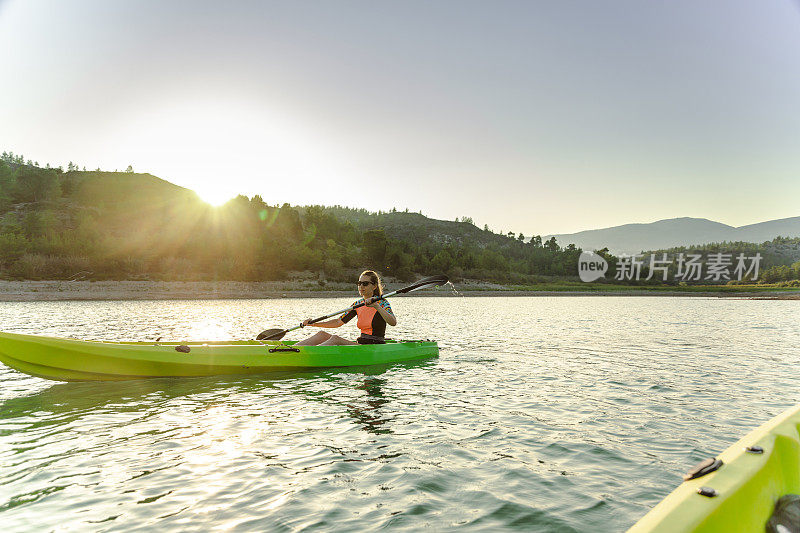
{"x":442,"y":262}
{"x":7,"y":183}
{"x":36,"y":185}
{"x":375,"y":246}
{"x":32,"y":225}
{"x":12,"y":247}
{"x":288,"y":222}
{"x":6,"y":177}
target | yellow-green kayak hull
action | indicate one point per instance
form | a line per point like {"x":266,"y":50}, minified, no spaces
{"x":747,"y":485}
{"x":77,"y":360}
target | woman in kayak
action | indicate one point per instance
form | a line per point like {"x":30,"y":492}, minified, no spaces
{"x":372,"y":318}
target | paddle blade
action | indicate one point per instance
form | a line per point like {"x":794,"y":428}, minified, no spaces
{"x":271,"y":335}
{"x":425,"y":283}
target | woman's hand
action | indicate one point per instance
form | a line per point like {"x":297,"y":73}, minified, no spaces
{"x":375,"y":303}
{"x":306,"y":321}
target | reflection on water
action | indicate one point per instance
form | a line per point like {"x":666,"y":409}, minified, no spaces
{"x":569,"y":414}
{"x":369,"y":415}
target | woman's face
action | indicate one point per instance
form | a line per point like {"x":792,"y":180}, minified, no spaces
{"x":365,"y":287}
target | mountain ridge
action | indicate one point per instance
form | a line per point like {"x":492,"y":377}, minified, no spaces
{"x":635,"y":238}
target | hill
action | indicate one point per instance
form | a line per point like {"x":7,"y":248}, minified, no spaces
{"x":127,"y":226}
{"x":669,"y":233}
{"x":114,"y":225}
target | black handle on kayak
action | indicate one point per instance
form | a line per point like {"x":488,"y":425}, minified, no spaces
{"x":702,"y":468}
{"x":286,"y":349}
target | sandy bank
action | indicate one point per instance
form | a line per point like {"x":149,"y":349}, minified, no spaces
{"x":31,"y":291}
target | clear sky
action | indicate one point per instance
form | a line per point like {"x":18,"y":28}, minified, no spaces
{"x":532,"y":116}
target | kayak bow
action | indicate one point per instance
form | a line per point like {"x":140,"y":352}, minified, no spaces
{"x":741,"y":486}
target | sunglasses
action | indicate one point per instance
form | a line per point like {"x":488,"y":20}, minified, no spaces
{"x":363,"y":283}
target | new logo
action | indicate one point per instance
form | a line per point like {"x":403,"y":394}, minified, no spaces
{"x":591,"y":266}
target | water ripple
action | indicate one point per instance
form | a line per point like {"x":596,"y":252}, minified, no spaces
{"x":542,"y":414}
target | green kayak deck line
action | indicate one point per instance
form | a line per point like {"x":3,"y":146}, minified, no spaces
{"x":77,"y":360}
{"x":747,"y":485}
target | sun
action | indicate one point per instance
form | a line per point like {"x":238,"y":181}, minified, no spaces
{"x":221,"y":148}
{"x":214,"y":196}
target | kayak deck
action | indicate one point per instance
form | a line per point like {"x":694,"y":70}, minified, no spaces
{"x":756,"y":471}
{"x":76,"y":360}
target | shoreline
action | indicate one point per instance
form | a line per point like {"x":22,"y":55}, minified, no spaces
{"x":50,"y":291}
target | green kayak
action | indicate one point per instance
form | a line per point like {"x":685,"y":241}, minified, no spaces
{"x":76,"y":360}
{"x":742,"y":486}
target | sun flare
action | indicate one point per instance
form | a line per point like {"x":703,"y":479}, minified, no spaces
{"x":221,"y":149}
{"x":214,"y":196}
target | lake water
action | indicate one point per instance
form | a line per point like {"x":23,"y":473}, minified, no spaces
{"x":541,"y":414}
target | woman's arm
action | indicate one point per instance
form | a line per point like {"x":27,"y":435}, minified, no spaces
{"x":335,"y":323}
{"x":387,"y":315}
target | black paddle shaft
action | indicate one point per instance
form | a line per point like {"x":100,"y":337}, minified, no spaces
{"x":432,"y":281}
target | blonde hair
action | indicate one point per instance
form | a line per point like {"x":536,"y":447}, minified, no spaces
{"x":376,"y":279}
